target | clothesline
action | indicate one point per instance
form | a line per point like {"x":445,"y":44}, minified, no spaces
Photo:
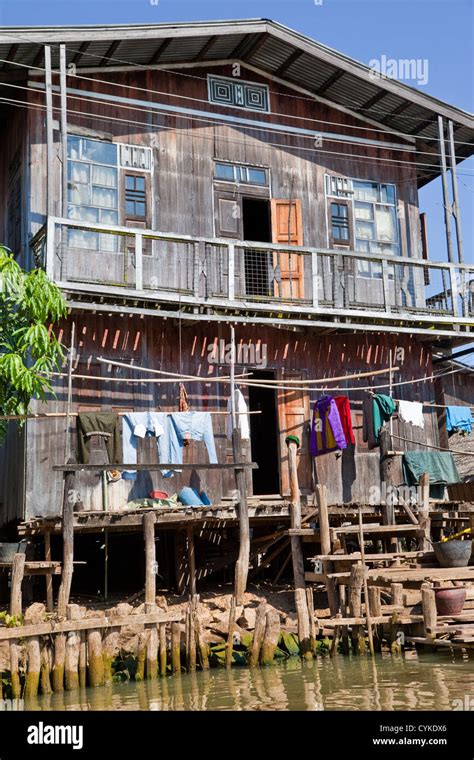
{"x":48,"y":415}
{"x":431,"y":446}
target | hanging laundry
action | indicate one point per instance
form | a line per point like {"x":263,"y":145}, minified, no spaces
{"x":439,"y":465}
{"x":383,"y":408}
{"x":327,"y":433}
{"x":183,"y":405}
{"x":368,"y":427}
{"x":196,"y":426}
{"x":411,"y":411}
{"x":137,"y":425}
{"x":344,"y":409}
{"x":104,"y":424}
{"x":459,"y":419}
{"x":242,"y":417}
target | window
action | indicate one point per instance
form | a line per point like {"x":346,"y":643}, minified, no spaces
{"x":135,"y":197}
{"x":92,"y":191}
{"x":238,"y":94}
{"x":340,"y":230}
{"x":246,"y":175}
{"x":374,"y":207}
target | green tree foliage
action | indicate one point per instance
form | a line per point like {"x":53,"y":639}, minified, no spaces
{"x":29,"y":350}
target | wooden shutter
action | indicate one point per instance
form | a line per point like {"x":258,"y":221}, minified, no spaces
{"x":294,"y":419}
{"x":287,"y":229}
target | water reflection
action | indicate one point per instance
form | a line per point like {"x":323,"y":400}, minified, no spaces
{"x":412,"y":682}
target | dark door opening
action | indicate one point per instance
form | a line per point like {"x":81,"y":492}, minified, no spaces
{"x":264,"y":436}
{"x":256,"y":220}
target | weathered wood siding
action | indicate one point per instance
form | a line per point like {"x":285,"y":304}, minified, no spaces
{"x":155,"y":343}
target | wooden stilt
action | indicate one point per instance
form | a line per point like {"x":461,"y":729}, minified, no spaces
{"x":150,"y":592}
{"x":109,"y":651}
{"x":162,"y":604}
{"x":374,"y":602}
{"x":176,"y":647}
{"x":32,"y":678}
{"x":230,"y":635}
{"x":203,"y":649}
{"x":271,"y":637}
{"x":82,"y":660}
{"x":59,"y":662}
{"x":430,"y":615}
{"x":18,"y":570}
{"x":424,"y":511}
{"x":366,"y":593}
{"x":312,"y":627}
{"x":73,"y":643}
{"x":388,"y":509}
{"x":258,"y":634}
{"x":324,"y":531}
{"x":69,"y":500}
{"x":14,"y":669}
{"x":45,"y":673}
{"x":141,"y":655}
{"x":191,"y":561}
{"x":192,"y":640}
{"x":96,"y":662}
{"x":355,"y":606}
{"x":243,"y":560}
{"x":48,"y":576}
{"x":297,"y":552}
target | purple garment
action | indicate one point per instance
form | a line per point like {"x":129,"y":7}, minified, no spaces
{"x":327,"y":433}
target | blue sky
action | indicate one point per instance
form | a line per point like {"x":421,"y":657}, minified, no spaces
{"x":440,"y":31}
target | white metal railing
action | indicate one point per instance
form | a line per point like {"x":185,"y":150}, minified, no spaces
{"x":220,"y":271}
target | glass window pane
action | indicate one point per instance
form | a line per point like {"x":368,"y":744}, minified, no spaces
{"x":225,"y":171}
{"x":364,"y":211}
{"x":108,"y":217}
{"x":83,"y":213}
{"x":362,"y":245}
{"x":78,"y":172}
{"x":140,"y":184}
{"x":129,"y":182}
{"x":79,"y":194}
{"x":386,"y":221}
{"x":108,"y":243}
{"x":366,"y":191}
{"x":83,"y":239}
{"x":365,"y":230}
{"x":99,"y":152}
{"x":102,"y":196}
{"x":73,"y":146}
{"x":257,"y":176}
{"x":104,"y":175}
{"x":387,"y":193}
{"x":140,"y":209}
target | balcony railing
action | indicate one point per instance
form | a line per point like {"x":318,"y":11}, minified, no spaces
{"x":219,"y":272}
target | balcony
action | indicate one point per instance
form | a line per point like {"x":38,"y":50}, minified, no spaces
{"x":298,"y":283}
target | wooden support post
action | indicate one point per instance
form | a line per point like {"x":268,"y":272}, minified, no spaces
{"x":59,"y":662}
{"x":444,"y":181}
{"x":375,"y":606}
{"x":271,"y":637}
{"x":366,"y":591}
{"x":45,"y":673}
{"x":141,"y":655}
{"x":50,"y":205}
{"x":430,"y":615}
{"x":258,"y":634}
{"x":230,"y":634}
{"x":48,"y":576}
{"x":424,"y":511}
{"x":109,"y":650}
{"x":191,"y":659}
{"x":324,"y":531}
{"x":203,"y":649}
{"x":149,"y":519}
{"x":82,"y":660}
{"x":388,"y":509}
{"x":297,"y":552}
{"x":73,"y":643}
{"x":18,"y":571}
{"x":397,"y":594}
{"x":191,"y":561}
{"x":243,"y":560}
{"x":14,"y":669}
{"x":69,"y":500}
{"x":176,"y":647}
{"x":33,"y":652}
{"x":355,"y":606}
{"x":312,"y":627}
{"x":96,"y":662}
{"x":397,"y":600}
{"x":163,"y":605}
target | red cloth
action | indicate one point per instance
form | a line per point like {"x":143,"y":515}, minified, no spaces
{"x":344,"y":409}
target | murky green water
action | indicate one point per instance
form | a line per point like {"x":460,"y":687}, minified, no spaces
{"x":423,"y":682}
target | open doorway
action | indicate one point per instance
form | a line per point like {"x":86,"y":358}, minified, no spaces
{"x":264,"y":436}
{"x":256,"y":220}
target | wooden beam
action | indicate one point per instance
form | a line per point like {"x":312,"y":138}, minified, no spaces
{"x":153,"y":467}
{"x":110,"y":52}
{"x":373,"y":100}
{"x":82,"y":49}
{"x":296,"y":54}
{"x":338,"y":74}
{"x":396,"y":111}
{"x":160,"y":50}
{"x":254,"y":48}
{"x":206,"y":47}
{"x":10,"y":55}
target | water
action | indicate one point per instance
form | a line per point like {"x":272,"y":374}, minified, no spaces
{"x":412,"y":682}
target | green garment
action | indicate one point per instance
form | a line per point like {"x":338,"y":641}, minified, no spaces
{"x":383,"y":408}
{"x":439,"y":465}
{"x":100,"y":423}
